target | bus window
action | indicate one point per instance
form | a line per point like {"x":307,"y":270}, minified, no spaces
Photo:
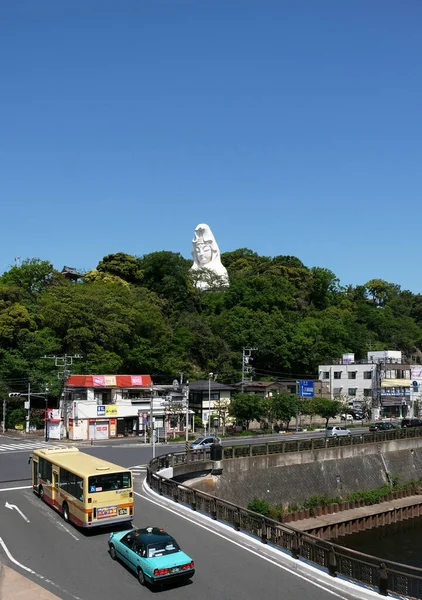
{"x":109,"y":482}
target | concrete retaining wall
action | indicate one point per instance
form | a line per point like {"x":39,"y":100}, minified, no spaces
{"x":294,"y":477}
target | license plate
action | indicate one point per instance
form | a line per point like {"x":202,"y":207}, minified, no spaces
{"x":175,"y":570}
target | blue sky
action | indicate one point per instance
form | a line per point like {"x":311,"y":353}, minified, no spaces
{"x":291,"y":127}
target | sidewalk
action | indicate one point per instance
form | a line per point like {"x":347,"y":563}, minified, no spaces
{"x":14,"y":586}
{"x":355,"y":513}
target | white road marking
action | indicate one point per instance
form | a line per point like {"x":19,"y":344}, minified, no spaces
{"x":34,"y":573}
{"x":14,"y":507}
{"x":354,"y":589}
{"x":22,"y":487}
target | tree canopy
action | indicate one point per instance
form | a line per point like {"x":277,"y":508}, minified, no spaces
{"x":144,"y":315}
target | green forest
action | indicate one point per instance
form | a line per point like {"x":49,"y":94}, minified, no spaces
{"x":144,"y":315}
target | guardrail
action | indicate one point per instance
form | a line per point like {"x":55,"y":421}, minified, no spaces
{"x":382,"y":575}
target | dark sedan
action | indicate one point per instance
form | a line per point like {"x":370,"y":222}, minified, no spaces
{"x":381,"y":426}
{"x":411,"y":423}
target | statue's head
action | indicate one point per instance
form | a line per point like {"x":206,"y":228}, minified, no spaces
{"x":204,"y":247}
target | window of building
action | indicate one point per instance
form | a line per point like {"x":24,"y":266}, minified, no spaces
{"x":367,"y":393}
{"x":351,"y":374}
{"x":337,"y":391}
{"x":337,"y":374}
{"x":367,"y":374}
{"x":351,"y":391}
{"x":79,"y":394}
{"x":326,"y":375}
{"x":103,"y":397}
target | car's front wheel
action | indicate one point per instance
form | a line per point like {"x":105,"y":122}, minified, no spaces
{"x":141,"y":577}
{"x":113,"y":552}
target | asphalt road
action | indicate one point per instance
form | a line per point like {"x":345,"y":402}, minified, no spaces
{"x":74,"y":565}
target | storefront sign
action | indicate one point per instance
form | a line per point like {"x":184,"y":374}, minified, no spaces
{"x":136,"y":380}
{"x":111,"y":411}
{"x":101,"y":410}
{"x":109,"y":380}
{"x":98,"y":380}
{"x":112,"y":427}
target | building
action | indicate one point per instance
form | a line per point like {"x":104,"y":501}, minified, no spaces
{"x":109,"y":406}
{"x":382,"y":382}
{"x":207,"y":397}
{"x":268,"y":388}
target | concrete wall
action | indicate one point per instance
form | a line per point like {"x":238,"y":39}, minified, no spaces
{"x":294,"y":477}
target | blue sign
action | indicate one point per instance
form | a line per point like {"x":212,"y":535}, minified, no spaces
{"x":306,"y":388}
{"x":101,"y":411}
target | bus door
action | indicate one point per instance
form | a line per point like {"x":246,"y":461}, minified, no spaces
{"x":55,"y":486}
{"x":35,"y":474}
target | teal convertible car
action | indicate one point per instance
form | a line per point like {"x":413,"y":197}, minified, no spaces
{"x":152,"y":554}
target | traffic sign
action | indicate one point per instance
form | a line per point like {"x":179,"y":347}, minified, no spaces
{"x":306,"y":388}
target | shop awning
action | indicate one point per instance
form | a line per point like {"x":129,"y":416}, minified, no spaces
{"x":101,"y":381}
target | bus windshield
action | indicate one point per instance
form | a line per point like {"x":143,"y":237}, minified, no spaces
{"x":108,"y":482}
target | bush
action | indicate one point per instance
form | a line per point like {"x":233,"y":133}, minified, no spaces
{"x":15,"y":417}
{"x":260,"y":506}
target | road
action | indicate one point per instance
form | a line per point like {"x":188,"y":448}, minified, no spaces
{"x":74,"y":565}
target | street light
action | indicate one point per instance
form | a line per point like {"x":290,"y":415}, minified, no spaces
{"x":210,"y":376}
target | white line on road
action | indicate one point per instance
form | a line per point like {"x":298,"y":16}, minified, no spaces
{"x":14,"y":507}
{"x":28,"y":570}
{"x":229,"y":538}
{"x":22,"y":487}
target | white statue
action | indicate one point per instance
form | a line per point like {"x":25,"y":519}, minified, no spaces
{"x":206,"y":260}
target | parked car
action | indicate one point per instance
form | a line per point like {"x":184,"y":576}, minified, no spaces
{"x":336,"y":431}
{"x":204,"y":442}
{"x":347,"y":417}
{"x":381,"y":426}
{"x":411,"y":423}
{"x":152,"y":554}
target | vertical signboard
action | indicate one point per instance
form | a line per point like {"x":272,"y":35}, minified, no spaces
{"x":306,"y":388}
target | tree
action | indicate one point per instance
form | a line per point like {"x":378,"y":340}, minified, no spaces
{"x":221,"y":412}
{"x":33,"y":276}
{"x":245,"y":408}
{"x":284,"y":407}
{"x":121,"y":265}
{"x":326,"y":408}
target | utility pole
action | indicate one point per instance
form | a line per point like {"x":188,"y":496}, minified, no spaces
{"x":186,"y":397}
{"x":28,"y":407}
{"x":151,"y":421}
{"x":246,"y":368}
{"x":64,"y":364}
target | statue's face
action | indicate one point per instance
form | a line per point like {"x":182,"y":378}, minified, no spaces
{"x":203,"y":253}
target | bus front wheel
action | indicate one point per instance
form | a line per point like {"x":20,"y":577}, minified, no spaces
{"x":41,"y":492}
{"x":65,"y":510}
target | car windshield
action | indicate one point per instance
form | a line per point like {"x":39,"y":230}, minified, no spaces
{"x":169,"y":546}
{"x":329,"y":428}
{"x":198,"y":440}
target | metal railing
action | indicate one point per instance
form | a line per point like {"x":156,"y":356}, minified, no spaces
{"x":382,"y":575}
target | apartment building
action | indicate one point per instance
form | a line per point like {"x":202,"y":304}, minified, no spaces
{"x":382,"y":382}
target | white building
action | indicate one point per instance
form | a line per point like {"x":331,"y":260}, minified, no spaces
{"x":108,"y":406}
{"x":388,"y":386}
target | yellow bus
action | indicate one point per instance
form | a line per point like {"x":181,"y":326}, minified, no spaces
{"x":86,"y":490}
